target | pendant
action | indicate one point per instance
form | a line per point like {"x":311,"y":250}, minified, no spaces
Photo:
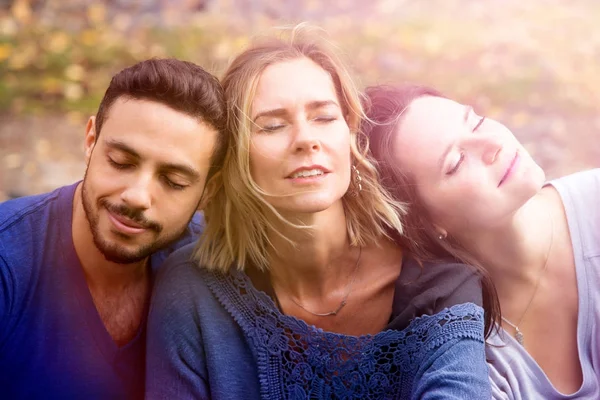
{"x":519,"y":337}
{"x":327,"y":314}
{"x":334,"y":313}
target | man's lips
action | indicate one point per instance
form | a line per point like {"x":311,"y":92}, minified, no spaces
{"x":125,"y":224}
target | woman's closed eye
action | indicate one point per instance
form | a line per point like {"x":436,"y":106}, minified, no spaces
{"x":456,"y":165}
{"x":270,"y":125}
{"x":271,"y":128}
{"x":325,"y":118}
{"x":276,"y":126}
{"x":478,"y":124}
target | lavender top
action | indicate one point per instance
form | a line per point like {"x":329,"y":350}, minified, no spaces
{"x":513,"y":372}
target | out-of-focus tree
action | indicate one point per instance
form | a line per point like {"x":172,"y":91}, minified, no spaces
{"x":531,"y":64}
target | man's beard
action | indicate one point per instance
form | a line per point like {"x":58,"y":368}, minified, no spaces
{"x":114,"y":252}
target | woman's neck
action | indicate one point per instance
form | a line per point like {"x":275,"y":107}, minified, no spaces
{"x":318,"y":260}
{"x":516,"y":252}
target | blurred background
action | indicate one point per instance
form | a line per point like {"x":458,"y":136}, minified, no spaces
{"x":533,"y":65}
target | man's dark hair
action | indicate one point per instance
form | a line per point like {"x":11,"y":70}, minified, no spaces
{"x":180,"y":85}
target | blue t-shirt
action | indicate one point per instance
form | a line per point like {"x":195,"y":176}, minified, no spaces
{"x":53,"y":344}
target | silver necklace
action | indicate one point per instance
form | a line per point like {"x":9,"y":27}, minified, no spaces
{"x":344,"y":300}
{"x":518,"y":334}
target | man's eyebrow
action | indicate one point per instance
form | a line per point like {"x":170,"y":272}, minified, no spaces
{"x":117,"y":144}
{"x":183,"y":169}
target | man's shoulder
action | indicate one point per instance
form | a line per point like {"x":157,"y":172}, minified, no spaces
{"x":25,"y":224}
{"x":28,"y":226}
{"x":14,"y":211}
{"x":23,"y":219}
{"x":26,"y":209}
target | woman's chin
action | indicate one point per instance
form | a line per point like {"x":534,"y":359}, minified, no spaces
{"x":308,"y":205}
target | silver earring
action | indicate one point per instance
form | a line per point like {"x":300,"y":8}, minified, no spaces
{"x":357,"y":178}
{"x":441,"y":237}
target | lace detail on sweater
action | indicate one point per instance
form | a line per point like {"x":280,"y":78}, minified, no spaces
{"x":298,"y":361}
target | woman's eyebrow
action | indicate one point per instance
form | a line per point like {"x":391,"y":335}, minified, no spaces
{"x":468,"y":110}
{"x":314,"y":105}
{"x":276,"y":112}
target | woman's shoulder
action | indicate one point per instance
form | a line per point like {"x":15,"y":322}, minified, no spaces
{"x":580,"y":196}
{"x":444,"y":329}
{"x":179,"y":267}
{"x":445,"y":282}
{"x":181,"y":283}
{"x":582,"y":178}
{"x":582,"y":188}
{"x":427,"y":288}
{"x":431,"y":271}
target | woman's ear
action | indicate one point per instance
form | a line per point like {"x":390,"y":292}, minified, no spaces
{"x":441,"y":233}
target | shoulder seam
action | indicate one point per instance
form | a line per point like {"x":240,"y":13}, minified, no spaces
{"x":14,"y":218}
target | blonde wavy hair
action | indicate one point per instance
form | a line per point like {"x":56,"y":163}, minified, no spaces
{"x":239,"y":219}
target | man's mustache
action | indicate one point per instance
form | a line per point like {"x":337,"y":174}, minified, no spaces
{"x":135,"y":215}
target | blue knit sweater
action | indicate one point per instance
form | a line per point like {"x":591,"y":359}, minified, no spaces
{"x":215,"y":336}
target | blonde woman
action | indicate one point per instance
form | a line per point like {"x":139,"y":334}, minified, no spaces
{"x":297,"y":288}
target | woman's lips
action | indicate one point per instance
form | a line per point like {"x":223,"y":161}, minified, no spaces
{"x":511,"y":168}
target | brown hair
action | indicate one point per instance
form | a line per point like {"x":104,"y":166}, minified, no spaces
{"x":238,"y":216}
{"x":180,"y":85}
{"x":386,"y":105}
